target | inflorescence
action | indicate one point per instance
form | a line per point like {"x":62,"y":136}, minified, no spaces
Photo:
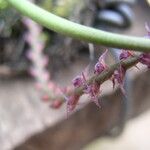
{"x":82,"y":84}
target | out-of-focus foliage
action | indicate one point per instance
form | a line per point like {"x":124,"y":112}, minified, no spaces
{"x":8,"y":17}
{"x":60,"y":7}
{"x":3,"y":4}
{"x":12,"y":32}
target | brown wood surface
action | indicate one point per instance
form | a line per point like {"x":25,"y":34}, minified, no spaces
{"x":91,"y":122}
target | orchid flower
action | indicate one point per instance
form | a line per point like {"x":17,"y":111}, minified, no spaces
{"x":118,"y":77}
{"x":125,"y":54}
{"x":100,"y":66}
{"x":145,"y":59}
{"x":93,"y":90}
{"x":71,"y":102}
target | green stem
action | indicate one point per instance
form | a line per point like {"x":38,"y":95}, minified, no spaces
{"x":78,"y":31}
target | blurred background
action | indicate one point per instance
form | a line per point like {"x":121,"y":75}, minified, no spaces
{"x":134,"y":137}
{"x":31,"y":57}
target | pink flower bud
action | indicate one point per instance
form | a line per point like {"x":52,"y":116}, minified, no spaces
{"x":72,"y":103}
{"x":45,"y":98}
{"x":56,"y":104}
{"x":77,"y":81}
{"x":125,"y":54}
{"x":145,"y":59}
{"x":100,"y":66}
{"x":118,"y":77}
{"x":93,"y":90}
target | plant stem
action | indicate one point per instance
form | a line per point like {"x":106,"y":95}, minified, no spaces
{"x":78,"y":31}
{"x":105,"y":75}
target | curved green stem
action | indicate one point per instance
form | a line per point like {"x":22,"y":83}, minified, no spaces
{"x":78,"y":31}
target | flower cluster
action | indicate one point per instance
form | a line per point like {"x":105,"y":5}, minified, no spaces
{"x":119,"y":74}
{"x":92,"y":89}
{"x":145,"y":57}
{"x":117,"y":77}
{"x":48,"y":89}
{"x":82,"y":84}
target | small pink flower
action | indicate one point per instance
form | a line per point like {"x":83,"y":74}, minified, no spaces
{"x":145,"y":59}
{"x":45,"y":98}
{"x":125,"y":54}
{"x":81,"y":79}
{"x":56,"y":104}
{"x":77,"y":81}
{"x":71,"y":103}
{"x":118,"y":77}
{"x":101,"y":65}
{"x":93,"y":90}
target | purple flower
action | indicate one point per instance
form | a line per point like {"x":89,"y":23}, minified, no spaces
{"x":81,"y":79}
{"x":145,"y":59}
{"x":125,"y":54}
{"x":94,"y":93}
{"x":100,"y":66}
{"x":72,"y":103}
{"x":77,"y":81}
{"x":118,"y":77}
{"x":93,"y":90}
